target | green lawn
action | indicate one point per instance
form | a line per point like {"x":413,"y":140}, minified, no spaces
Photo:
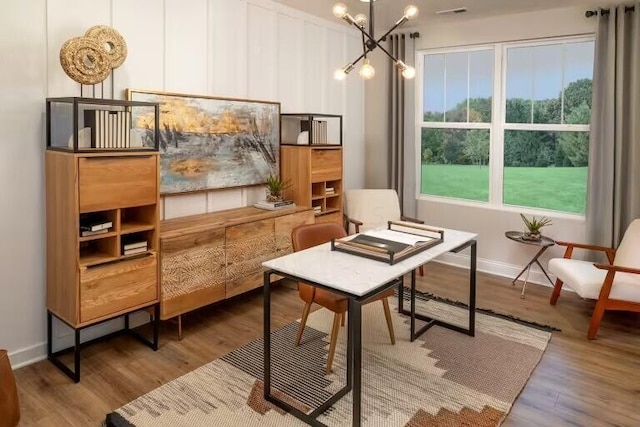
{"x":559,"y":189}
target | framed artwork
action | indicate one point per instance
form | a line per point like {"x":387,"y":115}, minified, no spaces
{"x":208,"y":143}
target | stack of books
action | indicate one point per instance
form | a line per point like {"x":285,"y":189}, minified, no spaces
{"x":273,"y":206}
{"x":135,"y":247}
{"x":317,"y":210}
{"x":318,"y":129}
{"x":329,"y":191}
{"x":109,"y":129}
{"x":91,"y":227}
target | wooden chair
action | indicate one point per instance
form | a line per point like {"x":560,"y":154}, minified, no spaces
{"x":366,"y":209}
{"x":9,"y":406}
{"x":306,"y":236}
{"x":615,"y":285}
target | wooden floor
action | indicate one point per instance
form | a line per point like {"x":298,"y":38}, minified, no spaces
{"x":578,"y":382}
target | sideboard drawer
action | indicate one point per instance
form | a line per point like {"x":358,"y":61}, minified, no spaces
{"x":111,"y":288}
{"x":114,"y":182}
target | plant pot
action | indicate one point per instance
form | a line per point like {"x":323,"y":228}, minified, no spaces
{"x":274,"y":197}
{"x":531,"y":236}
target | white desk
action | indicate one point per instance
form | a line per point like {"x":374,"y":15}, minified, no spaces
{"x":358,"y":279}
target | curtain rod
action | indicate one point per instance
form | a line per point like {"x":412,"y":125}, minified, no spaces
{"x":590,"y":13}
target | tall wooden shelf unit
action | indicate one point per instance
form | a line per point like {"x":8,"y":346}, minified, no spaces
{"x":314,"y":170}
{"x":89,"y":278}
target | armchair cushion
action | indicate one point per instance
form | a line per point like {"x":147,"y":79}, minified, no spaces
{"x":373,"y":207}
{"x":584,"y":278}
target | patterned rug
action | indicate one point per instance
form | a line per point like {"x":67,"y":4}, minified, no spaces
{"x":442,"y":379}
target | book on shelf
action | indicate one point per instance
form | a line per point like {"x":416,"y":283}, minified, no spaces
{"x":86,"y":233}
{"x":135,"y":251}
{"x":109,"y":129}
{"x":94,"y":225}
{"x":135,"y":245}
{"x":275,"y":206}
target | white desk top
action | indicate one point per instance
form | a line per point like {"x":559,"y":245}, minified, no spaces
{"x":355,"y":274}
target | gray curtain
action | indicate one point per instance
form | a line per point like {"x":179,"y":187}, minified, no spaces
{"x":613,"y":199}
{"x":401,"y":155}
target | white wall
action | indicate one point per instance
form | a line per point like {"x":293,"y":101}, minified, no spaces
{"x":254,"y":49}
{"x":496,"y":253}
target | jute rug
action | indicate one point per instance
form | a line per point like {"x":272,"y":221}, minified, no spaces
{"x":442,"y":379}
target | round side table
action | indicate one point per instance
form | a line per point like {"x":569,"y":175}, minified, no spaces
{"x":544,"y":243}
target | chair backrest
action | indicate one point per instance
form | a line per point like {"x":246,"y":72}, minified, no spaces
{"x":309,"y":235}
{"x":372,"y":207}
{"x":628,"y":252}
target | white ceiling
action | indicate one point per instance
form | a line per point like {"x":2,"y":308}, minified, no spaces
{"x":387,"y":12}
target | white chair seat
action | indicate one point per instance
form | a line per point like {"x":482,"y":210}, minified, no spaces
{"x":584,"y":278}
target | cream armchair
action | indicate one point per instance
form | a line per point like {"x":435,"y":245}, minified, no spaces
{"x":615,"y":285}
{"x":366,"y":209}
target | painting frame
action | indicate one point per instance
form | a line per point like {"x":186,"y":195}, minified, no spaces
{"x":246,"y":131}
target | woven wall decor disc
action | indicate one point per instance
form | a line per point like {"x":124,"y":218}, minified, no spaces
{"x":112,"y":42}
{"x":84,"y":60}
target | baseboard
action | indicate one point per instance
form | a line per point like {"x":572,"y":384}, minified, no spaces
{"x":496,"y":268}
{"x":64,"y":338}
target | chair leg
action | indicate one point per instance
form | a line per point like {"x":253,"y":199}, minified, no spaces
{"x":421,"y":270}
{"x":387,"y":315}
{"x":303,"y":322}
{"x":596,"y":317}
{"x":556,"y":292}
{"x":333,"y":341}
{"x":344,"y":315}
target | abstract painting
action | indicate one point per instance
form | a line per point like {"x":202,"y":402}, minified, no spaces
{"x":209,"y":143}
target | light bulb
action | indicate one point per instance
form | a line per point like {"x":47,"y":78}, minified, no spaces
{"x":411,"y":12}
{"x":361,"y":19}
{"x":340,"y":74}
{"x":340,"y":10}
{"x":409,"y":72}
{"x":367,"y":71}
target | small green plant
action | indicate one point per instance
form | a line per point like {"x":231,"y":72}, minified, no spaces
{"x":535,"y":225}
{"x":275,"y":186}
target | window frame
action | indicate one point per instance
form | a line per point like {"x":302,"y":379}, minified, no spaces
{"x":497,"y":127}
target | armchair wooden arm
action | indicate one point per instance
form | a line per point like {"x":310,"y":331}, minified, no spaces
{"x":617,"y":268}
{"x":409,"y":219}
{"x":610,"y":252}
{"x":353,"y":221}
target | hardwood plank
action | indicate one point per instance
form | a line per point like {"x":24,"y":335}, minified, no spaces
{"x":578,"y":382}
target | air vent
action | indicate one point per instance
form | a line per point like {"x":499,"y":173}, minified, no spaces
{"x":451,"y":11}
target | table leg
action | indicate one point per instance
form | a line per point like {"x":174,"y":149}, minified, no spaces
{"x":355,"y":326}
{"x":267,"y":335}
{"x":545,"y":272}
{"x":526,"y":278}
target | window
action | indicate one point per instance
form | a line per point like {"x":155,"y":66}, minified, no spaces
{"x":508,"y":124}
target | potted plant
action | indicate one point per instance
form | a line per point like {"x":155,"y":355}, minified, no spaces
{"x":275,"y":186}
{"x":534,"y":226}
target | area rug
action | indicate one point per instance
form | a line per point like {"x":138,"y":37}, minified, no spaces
{"x":444,"y":378}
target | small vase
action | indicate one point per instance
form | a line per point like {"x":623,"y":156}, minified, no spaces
{"x":273,"y":197}
{"x":532,"y":236}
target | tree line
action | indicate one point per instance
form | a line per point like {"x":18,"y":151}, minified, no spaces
{"x":521,"y":148}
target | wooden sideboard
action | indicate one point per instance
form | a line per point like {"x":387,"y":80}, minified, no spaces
{"x":210,"y":257}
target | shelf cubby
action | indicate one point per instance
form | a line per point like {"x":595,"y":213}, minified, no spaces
{"x":99,"y":251}
{"x":137,"y":219}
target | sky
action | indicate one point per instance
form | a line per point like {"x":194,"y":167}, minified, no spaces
{"x":535,"y":72}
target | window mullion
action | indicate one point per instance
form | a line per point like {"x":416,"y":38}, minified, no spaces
{"x":496,"y":156}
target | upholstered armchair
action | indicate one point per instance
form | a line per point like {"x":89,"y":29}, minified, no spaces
{"x":9,"y":407}
{"x":616,"y":284}
{"x":366,"y":209}
{"x":306,"y":236}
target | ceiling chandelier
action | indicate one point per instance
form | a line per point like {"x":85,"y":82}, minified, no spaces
{"x":369,"y":41}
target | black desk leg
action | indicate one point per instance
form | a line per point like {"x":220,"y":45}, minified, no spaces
{"x":355,"y":332}
{"x":267,"y":335}
{"x":472,"y":290}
